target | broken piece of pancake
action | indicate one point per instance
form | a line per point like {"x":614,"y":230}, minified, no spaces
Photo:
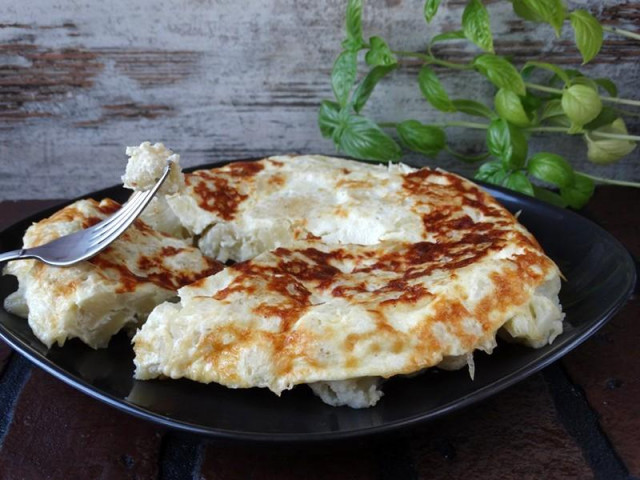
{"x":94,"y":299}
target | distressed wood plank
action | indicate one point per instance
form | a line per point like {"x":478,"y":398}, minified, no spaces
{"x":612,"y":384}
{"x":75,"y":436}
{"x":514,"y":435}
{"x":216,"y":80}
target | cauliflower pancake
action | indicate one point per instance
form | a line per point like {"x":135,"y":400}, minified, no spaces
{"x":245,"y":208}
{"x":94,"y":299}
{"x":346,"y":271}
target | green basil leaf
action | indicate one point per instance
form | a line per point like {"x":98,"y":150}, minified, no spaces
{"x":579,"y":193}
{"x":499,"y":139}
{"x":476,"y":25}
{"x":588,"y":34}
{"x":443,"y":37}
{"x":608,"y":86}
{"x":552,"y":12}
{"x":603,"y":150}
{"x":354,"y":39}
{"x":508,"y":143}
{"x":586,"y":81}
{"x":562,"y":121}
{"x":343,"y":75}
{"x":526,"y":71}
{"x":471,"y":107}
{"x":531,"y":103}
{"x":553,"y":113}
{"x":509,"y":106}
{"x":350,"y":46}
{"x":430,"y":9}
{"x":520,"y":148}
{"x":549,"y":197}
{"x":368,"y":83}
{"x":433,"y":90}
{"x":362,"y":138}
{"x":422,"y":138}
{"x":555,"y":82}
{"x":546,"y":66}
{"x":379,"y":53}
{"x":328,"y":117}
{"x":552,"y":108}
{"x":467,"y":158}
{"x":522,"y":9}
{"x":551,"y":168}
{"x":500,"y":72}
{"x":606,"y":117}
{"x":581,"y":104}
{"x":519,"y":182}
{"x":492,"y":172}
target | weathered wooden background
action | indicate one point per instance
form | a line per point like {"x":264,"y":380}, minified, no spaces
{"x":224,"y":79}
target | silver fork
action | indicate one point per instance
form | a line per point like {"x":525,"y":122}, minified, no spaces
{"x":84,"y":244}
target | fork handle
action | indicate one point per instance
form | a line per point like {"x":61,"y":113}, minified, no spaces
{"x":12,"y":255}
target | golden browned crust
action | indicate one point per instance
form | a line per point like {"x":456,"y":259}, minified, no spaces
{"x":153,"y":265}
{"x":93,"y":299}
{"x":215,"y":193}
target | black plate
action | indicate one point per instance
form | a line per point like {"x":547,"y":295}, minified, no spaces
{"x":600,"y":274}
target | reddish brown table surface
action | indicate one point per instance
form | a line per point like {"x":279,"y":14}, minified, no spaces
{"x":579,"y":418}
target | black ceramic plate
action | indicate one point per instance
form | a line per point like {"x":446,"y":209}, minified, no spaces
{"x":600,"y":275}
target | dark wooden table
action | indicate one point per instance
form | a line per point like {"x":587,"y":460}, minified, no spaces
{"x":579,"y":418}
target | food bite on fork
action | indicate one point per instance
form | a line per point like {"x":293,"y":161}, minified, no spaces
{"x":79,"y":245}
{"x":117,"y":288}
{"x":147,"y":163}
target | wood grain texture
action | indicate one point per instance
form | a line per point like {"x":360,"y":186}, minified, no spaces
{"x":612,"y":384}
{"x":218,"y":80}
{"x":514,"y":435}
{"x":75,"y":436}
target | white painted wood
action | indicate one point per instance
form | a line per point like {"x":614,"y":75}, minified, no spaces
{"x":220,"y":80}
